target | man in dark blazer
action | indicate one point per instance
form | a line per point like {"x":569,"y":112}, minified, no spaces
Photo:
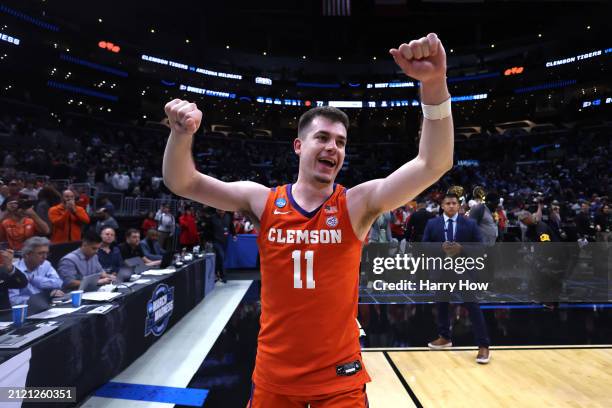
{"x":451,"y":228}
{"x":417,"y":222}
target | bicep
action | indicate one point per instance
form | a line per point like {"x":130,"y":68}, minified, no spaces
{"x":403,"y":185}
{"x":232,"y":196}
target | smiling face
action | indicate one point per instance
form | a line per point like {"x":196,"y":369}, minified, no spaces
{"x":321,"y":150}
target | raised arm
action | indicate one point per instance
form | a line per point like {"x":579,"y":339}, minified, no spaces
{"x":182,"y":177}
{"x":424,"y":60}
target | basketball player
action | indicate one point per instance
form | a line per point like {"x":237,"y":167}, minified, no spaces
{"x":311,"y":237}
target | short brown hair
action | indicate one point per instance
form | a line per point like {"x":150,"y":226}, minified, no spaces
{"x":328,"y":112}
{"x":131,"y":231}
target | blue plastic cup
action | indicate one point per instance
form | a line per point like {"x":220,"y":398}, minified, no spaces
{"x":19,"y":315}
{"x":77,"y":297}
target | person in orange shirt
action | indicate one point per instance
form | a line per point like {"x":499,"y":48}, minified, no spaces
{"x":311,"y":237}
{"x":21,"y":223}
{"x":67,"y":219}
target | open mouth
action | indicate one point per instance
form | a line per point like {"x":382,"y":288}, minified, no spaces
{"x":328,"y":162}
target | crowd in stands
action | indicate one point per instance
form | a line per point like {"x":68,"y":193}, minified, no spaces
{"x":561,"y":178}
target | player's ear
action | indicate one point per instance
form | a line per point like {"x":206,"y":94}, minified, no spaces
{"x":297,"y":145}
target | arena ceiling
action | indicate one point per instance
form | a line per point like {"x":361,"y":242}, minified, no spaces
{"x":295,"y":28}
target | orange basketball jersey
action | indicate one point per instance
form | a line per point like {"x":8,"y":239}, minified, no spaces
{"x":309,"y":295}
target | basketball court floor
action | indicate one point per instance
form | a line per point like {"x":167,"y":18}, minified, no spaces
{"x":212,"y":350}
{"x":543,"y":376}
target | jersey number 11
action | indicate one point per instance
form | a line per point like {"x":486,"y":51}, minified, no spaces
{"x":297,"y":269}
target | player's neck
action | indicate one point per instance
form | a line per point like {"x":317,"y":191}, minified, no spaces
{"x":311,"y":195}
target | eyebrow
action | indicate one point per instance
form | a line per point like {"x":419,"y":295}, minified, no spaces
{"x":326,"y":133}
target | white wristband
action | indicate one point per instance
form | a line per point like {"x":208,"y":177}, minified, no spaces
{"x":437,"y":112}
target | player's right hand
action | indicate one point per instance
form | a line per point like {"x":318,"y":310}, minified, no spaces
{"x":184,"y":117}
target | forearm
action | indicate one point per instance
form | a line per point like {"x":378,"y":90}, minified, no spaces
{"x":47,"y":282}
{"x":538,"y":214}
{"x":437,"y":136}
{"x":41,"y":226}
{"x":178,"y":168}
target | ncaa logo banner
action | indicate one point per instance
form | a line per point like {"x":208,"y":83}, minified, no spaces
{"x":159,"y":310}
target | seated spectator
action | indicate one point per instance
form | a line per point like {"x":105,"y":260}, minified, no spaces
{"x":83,"y":262}
{"x":150,"y":246}
{"x":131,"y":248}
{"x":20,"y":223}
{"x":109,"y":255}
{"x":189,"y":232}
{"x":41,"y":275}
{"x":148,"y":223}
{"x":67,"y":219}
{"x":105,"y":220}
{"x":108,"y":205}
{"x":10,"y":278}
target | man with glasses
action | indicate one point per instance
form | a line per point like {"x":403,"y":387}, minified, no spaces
{"x":40,"y":273}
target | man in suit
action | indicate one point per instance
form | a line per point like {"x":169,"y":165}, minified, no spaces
{"x":451,"y":229}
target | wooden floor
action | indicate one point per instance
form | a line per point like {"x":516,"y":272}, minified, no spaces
{"x":516,"y":377}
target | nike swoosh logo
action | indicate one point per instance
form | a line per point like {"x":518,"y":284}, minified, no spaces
{"x":281,"y":212}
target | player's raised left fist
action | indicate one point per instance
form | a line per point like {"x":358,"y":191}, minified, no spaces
{"x":423,"y":59}
{"x":184,"y":117}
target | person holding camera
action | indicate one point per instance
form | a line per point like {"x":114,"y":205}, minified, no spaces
{"x":67,"y":219}
{"x":21,"y":223}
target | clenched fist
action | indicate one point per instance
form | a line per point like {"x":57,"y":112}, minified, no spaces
{"x":423,"y":59}
{"x":184,"y":117}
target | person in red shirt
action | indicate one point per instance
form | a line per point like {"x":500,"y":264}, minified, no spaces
{"x":83,"y":200}
{"x":67,"y":219}
{"x":189,"y":232}
{"x":398,"y":223}
{"x":148,"y":223}
{"x":21,"y":223}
